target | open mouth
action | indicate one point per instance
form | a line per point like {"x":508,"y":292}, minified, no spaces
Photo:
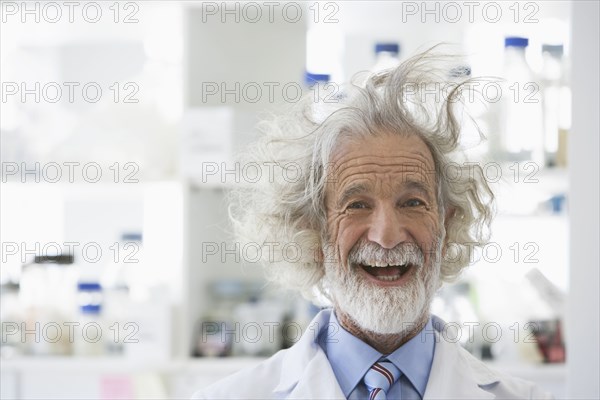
{"x":386,"y":272}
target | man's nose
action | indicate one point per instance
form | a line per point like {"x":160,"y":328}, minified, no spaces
{"x":388,"y":228}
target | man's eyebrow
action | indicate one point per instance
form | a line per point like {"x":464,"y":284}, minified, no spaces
{"x":418,"y":186}
{"x":351,"y":190}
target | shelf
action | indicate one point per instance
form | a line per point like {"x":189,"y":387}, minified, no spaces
{"x":122,"y":365}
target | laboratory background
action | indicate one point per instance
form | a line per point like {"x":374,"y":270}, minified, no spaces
{"x":120,"y":122}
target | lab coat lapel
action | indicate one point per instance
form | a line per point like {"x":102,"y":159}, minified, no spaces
{"x":318,"y":381}
{"x":452,"y":376}
{"x":306,"y":372}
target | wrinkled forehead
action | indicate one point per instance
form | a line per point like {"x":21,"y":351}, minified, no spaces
{"x":393,"y":157}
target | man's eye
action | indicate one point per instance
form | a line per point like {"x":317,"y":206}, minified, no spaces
{"x":414,"y":203}
{"x":357,"y":205}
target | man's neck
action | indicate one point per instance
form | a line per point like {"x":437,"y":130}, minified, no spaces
{"x":383,"y":343}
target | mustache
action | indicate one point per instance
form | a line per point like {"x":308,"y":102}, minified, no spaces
{"x":366,"y":252}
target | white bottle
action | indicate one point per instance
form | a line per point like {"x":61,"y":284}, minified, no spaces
{"x":91,"y":332}
{"x":322,"y":94}
{"x":386,"y":56}
{"x":521,"y":119}
{"x":556,"y":104}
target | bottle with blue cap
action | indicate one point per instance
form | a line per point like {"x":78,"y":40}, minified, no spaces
{"x":521,"y":119}
{"x":90,"y":333}
{"x":316,"y":84}
{"x":321,"y":93}
{"x":386,"y":56}
{"x":311,"y":79}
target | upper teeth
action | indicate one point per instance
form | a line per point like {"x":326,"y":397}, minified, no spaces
{"x":374,"y":263}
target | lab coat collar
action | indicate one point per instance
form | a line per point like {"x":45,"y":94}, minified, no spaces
{"x":306,"y":363}
{"x":456,"y":374}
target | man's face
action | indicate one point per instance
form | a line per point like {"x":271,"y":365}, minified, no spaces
{"x":383,"y":257}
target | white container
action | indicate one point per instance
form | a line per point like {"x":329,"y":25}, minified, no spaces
{"x":521,"y":119}
{"x":386,"y":56}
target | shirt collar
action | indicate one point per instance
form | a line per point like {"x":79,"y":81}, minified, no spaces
{"x":351,"y":358}
{"x":414,"y":358}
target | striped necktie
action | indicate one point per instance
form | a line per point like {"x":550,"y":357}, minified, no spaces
{"x":380,"y":377}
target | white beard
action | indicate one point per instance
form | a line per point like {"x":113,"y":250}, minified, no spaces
{"x":383,"y":310}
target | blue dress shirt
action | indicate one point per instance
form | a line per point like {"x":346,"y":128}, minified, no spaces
{"x":351,"y":358}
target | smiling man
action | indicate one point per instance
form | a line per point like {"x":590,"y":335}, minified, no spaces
{"x":381,"y":226}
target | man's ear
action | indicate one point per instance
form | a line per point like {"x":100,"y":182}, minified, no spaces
{"x":449,"y":214}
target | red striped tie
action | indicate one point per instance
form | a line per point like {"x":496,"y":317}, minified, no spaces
{"x":380,"y":377}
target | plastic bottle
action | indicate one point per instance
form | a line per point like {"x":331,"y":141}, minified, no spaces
{"x":556,"y":104}
{"x":521,"y":120}
{"x":91,"y":332}
{"x":386,"y":56}
{"x":323,"y":94}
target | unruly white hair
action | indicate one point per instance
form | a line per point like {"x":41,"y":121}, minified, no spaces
{"x":285,"y":209}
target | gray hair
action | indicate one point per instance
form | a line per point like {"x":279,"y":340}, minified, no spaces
{"x":286,"y":210}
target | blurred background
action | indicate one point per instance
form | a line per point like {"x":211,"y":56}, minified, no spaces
{"x":120,"y":277}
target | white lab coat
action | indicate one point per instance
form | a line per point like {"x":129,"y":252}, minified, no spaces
{"x":303,"y":372}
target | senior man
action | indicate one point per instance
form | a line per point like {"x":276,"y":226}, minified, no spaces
{"x":381,"y":227}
